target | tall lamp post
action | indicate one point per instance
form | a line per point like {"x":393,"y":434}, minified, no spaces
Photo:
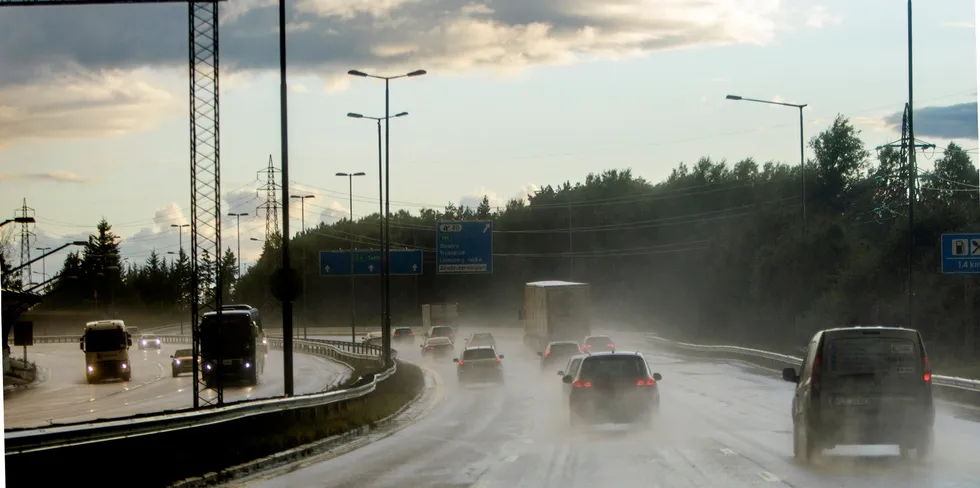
{"x":302,"y":202}
{"x":44,"y":267}
{"x":353,"y":301}
{"x":238,"y":232}
{"x":180,"y":242}
{"x":802,"y":142}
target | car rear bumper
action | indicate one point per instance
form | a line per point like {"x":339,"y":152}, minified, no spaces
{"x":857,"y":427}
{"x":612,"y":406}
{"x":485,"y":374}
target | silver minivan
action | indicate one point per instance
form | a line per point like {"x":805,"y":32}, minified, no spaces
{"x":863,"y":385}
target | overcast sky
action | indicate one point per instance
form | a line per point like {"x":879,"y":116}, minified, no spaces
{"x":520,"y":94}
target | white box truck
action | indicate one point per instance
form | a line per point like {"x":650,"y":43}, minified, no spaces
{"x":434,"y":314}
{"x":555,"y":311}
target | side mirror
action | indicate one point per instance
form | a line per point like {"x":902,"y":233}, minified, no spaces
{"x":789,"y":374}
{"x":567,"y":379}
{"x":81,"y":343}
{"x":501,"y":356}
{"x":171,"y":356}
{"x":657,"y":377}
{"x":540,"y":354}
{"x":422,"y":346}
{"x":561,"y":373}
{"x":129,"y":341}
{"x":455,"y":360}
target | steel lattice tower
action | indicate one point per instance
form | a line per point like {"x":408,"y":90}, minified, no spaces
{"x":26,"y":239}
{"x":271,"y":205}
{"x":205,"y":154}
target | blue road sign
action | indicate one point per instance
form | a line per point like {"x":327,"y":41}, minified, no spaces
{"x":464,"y":247}
{"x":339,"y":263}
{"x":961,"y":253}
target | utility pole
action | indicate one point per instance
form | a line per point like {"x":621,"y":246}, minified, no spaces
{"x":913,"y":172}
{"x":571,"y":260}
{"x":25,"y":241}
{"x":44,"y":266}
{"x":238,"y":231}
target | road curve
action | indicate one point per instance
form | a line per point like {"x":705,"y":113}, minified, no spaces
{"x":720,"y":424}
{"x":65,"y":396}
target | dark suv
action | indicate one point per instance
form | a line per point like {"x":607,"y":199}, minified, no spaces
{"x":558,"y":352}
{"x":612,"y":387}
{"x":863,"y":385}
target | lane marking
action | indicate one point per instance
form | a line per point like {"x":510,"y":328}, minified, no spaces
{"x":510,"y":459}
{"x":767,"y":476}
{"x":727,"y":451}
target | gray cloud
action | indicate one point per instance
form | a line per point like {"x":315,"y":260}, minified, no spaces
{"x":950,"y":122}
{"x":52,"y":176}
{"x":331,"y":36}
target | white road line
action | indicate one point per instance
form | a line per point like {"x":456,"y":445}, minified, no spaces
{"x":767,"y":476}
{"x":728,"y":452}
{"x":510,"y":459}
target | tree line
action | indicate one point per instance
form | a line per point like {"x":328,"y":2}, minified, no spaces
{"x":716,"y":251}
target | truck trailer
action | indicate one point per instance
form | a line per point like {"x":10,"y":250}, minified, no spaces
{"x":555,"y":311}
{"x":434,"y":314}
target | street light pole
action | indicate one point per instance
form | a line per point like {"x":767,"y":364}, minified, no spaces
{"x":799,"y":106}
{"x":302,"y":219}
{"x":386,"y":327}
{"x":44,"y":267}
{"x":238,"y":231}
{"x":382,"y":230}
{"x":180,"y":242}
{"x":353,"y":297}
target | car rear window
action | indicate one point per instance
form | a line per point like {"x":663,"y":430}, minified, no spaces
{"x":183,"y":352}
{"x":438,"y":341}
{"x":403,"y":331}
{"x":482,"y":335}
{"x":564,"y":348}
{"x":598,"y":341}
{"x":614,"y":366}
{"x":878,"y":355}
{"x":441,"y":331}
{"x":478,"y":354}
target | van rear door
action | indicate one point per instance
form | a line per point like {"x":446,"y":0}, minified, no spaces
{"x":867,"y":371}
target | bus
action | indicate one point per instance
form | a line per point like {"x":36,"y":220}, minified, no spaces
{"x":257,"y":318}
{"x":106,"y":346}
{"x":235,"y":342}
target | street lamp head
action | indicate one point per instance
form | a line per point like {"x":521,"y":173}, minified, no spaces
{"x":354,"y":72}
{"x":418,"y":72}
{"x":733,"y":97}
{"x":79,"y":243}
{"x":354,"y":116}
{"x":254,"y":239}
{"x":359,"y":173}
{"x":401,"y":114}
{"x":341,"y":174}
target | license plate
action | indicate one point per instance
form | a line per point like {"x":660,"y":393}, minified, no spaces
{"x":852,"y":401}
{"x":227,"y":362}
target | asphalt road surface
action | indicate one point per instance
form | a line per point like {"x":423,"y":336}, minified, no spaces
{"x":65,"y":396}
{"x":720,"y":425}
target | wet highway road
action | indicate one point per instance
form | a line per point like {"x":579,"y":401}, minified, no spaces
{"x":65,"y":396}
{"x":720,"y":425}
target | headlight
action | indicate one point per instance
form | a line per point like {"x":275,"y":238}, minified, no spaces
{"x":264,"y":341}
{"x":123,"y":365}
{"x":144,"y":342}
{"x":207,"y":366}
{"x":247,"y":365}
{"x":158,"y":341}
{"x":177,"y":362}
{"x":91,"y":369}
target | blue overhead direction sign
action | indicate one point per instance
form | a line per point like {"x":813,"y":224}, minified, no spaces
{"x":335,"y":263}
{"x":960,"y":253}
{"x":404,"y":262}
{"x":464,"y":247}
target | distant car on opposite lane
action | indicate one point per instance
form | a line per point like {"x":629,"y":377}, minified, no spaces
{"x":149,"y":342}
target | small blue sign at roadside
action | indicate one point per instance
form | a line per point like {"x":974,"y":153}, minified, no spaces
{"x":464,"y":247}
{"x":339,"y":263}
{"x":960,"y":253}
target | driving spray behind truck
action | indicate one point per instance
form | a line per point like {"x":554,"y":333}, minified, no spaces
{"x":555,"y":311}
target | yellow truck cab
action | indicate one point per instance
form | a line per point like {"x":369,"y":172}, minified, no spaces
{"x":106,"y":345}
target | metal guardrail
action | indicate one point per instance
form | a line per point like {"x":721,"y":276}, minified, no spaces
{"x":937,"y":380}
{"x":19,"y":441}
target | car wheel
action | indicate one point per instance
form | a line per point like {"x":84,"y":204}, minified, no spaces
{"x":923,"y":446}
{"x":175,"y":372}
{"x":127,"y":376}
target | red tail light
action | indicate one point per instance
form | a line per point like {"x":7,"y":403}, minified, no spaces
{"x":580,"y":384}
{"x":587,"y":346}
{"x":498,"y":360}
{"x":926,"y":369}
{"x":430,"y":348}
{"x":547,"y":353}
{"x":460,"y":362}
{"x":580,"y":350}
{"x":645,"y":382}
{"x":611,"y":346}
{"x":411,"y":333}
{"x":815,"y":374}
